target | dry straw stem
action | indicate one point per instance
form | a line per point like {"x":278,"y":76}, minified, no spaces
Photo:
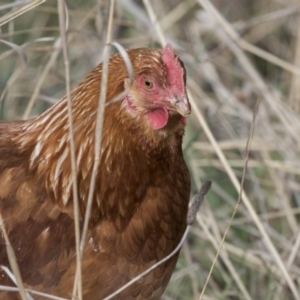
{"x":237,"y":144}
{"x":99,"y":123}
{"x":12,"y":260}
{"x":27,"y":291}
{"x":98,"y":136}
{"x":48,"y":296}
{"x":100,"y":114}
{"x":189,"y":270}
{"x":15,"y":74}
{"x":287,"y":167}
{"x":266,"y":216}
{"x":247,"y":296}
{"x":282,"y":193}
{"x":294,"y":95}
{"x":223,"y":253}
{"x":18,"y":12}
{"x":294,"y":252}
{"x":207,"y":220}
{"x":273,"y":16}
{"x":176,"y":14}
{"x":62,"y":11}
{"x":252,"y":261}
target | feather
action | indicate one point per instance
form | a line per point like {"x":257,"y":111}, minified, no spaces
{"x":141,"y":197}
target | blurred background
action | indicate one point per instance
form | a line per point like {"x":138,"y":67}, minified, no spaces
{"x":243,"y":64}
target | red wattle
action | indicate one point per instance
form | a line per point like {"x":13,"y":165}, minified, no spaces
{"x":158,"y":118}
{"x":183,"y":120}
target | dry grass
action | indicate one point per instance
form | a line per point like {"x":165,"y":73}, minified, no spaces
{"x":240,"y":56}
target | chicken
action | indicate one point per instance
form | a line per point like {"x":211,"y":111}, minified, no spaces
{"x":142,"y":189}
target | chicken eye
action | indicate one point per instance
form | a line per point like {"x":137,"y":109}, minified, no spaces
{"x":148,"y":84}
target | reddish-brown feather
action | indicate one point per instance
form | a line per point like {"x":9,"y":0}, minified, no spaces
{"x":140,"y":201}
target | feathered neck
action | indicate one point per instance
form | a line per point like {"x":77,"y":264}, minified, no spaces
{"x":129,"y":146}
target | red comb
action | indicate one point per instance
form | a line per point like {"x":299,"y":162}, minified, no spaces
{"x":174,"y":69}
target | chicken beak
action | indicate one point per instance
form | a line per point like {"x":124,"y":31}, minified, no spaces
{"x":180,"y":105}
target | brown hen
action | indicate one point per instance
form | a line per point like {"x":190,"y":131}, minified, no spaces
{"x":142,"y":192}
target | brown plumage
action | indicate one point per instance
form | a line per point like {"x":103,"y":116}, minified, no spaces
{"x":142,"y":191}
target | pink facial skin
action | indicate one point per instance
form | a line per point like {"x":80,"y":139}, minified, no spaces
{"x":157,"y":98}
{"x":158,"y":116}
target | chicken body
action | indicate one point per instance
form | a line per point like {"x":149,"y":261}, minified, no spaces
{"x":142,"y":192}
